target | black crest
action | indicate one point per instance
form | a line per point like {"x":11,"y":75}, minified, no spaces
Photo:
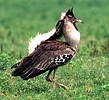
{"x":69,"y":13}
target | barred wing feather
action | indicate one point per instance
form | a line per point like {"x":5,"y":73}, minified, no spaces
{"x":49,"y":55}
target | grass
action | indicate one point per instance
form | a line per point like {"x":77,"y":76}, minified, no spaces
{"x":88,"y":77}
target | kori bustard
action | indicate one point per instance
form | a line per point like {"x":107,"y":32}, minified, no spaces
{"x":46,"y":53}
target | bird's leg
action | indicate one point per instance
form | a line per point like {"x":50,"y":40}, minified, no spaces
{"x":61,"y":85}
{"x":48,"y":76}
{"x":69,"y":66}
{"x":54,"y":81}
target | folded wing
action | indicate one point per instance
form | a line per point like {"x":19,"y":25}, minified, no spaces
{"x":49,"y":55}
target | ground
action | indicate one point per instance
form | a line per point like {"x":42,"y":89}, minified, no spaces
{"x":88,"y":75}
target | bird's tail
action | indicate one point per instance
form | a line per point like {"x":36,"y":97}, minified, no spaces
{"x":26,"y":72}
{"x":16,"y":65}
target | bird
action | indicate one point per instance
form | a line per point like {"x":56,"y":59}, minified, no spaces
{"x":48,"y":53}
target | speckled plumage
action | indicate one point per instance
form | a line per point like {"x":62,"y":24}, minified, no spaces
{"x":43,"y":58}
{"x":49,"y":53}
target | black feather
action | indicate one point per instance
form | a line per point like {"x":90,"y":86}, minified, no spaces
{"x":15,"y":66}
{"x":70,"y":12}
{"x":58,"y":34}
{"x":42,"y":59}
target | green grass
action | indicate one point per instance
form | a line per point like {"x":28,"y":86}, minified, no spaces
{"x":88,"y":77}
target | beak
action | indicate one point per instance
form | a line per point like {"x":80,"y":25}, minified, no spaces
{"x":77,"y":20}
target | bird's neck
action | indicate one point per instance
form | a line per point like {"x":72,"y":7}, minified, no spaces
{"x":71,"y":34}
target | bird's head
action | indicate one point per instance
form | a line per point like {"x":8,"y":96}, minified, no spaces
{"x":69,"y":16}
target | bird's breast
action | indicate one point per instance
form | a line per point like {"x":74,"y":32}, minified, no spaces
{"x":72,"y":36}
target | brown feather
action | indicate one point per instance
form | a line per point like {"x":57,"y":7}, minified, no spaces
{"x":42,"y":59}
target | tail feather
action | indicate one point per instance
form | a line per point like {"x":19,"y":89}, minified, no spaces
{"x":15,"y":66}
{"x":26,"y":72}
{"x":19,"y":69}
{"x":32,"y":73}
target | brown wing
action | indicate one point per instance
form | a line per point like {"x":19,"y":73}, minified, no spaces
{"x":47,"y":56}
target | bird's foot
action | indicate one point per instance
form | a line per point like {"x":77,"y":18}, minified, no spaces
{"x":54,"y":82}
{"x":61,"y":85}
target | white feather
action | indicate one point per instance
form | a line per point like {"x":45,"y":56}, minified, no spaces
{"x":34,"y":42}
{"x":71,"y":34}
{"x":62,"y":16}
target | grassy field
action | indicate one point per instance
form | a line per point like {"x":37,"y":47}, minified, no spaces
{"x":88,"y":77}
